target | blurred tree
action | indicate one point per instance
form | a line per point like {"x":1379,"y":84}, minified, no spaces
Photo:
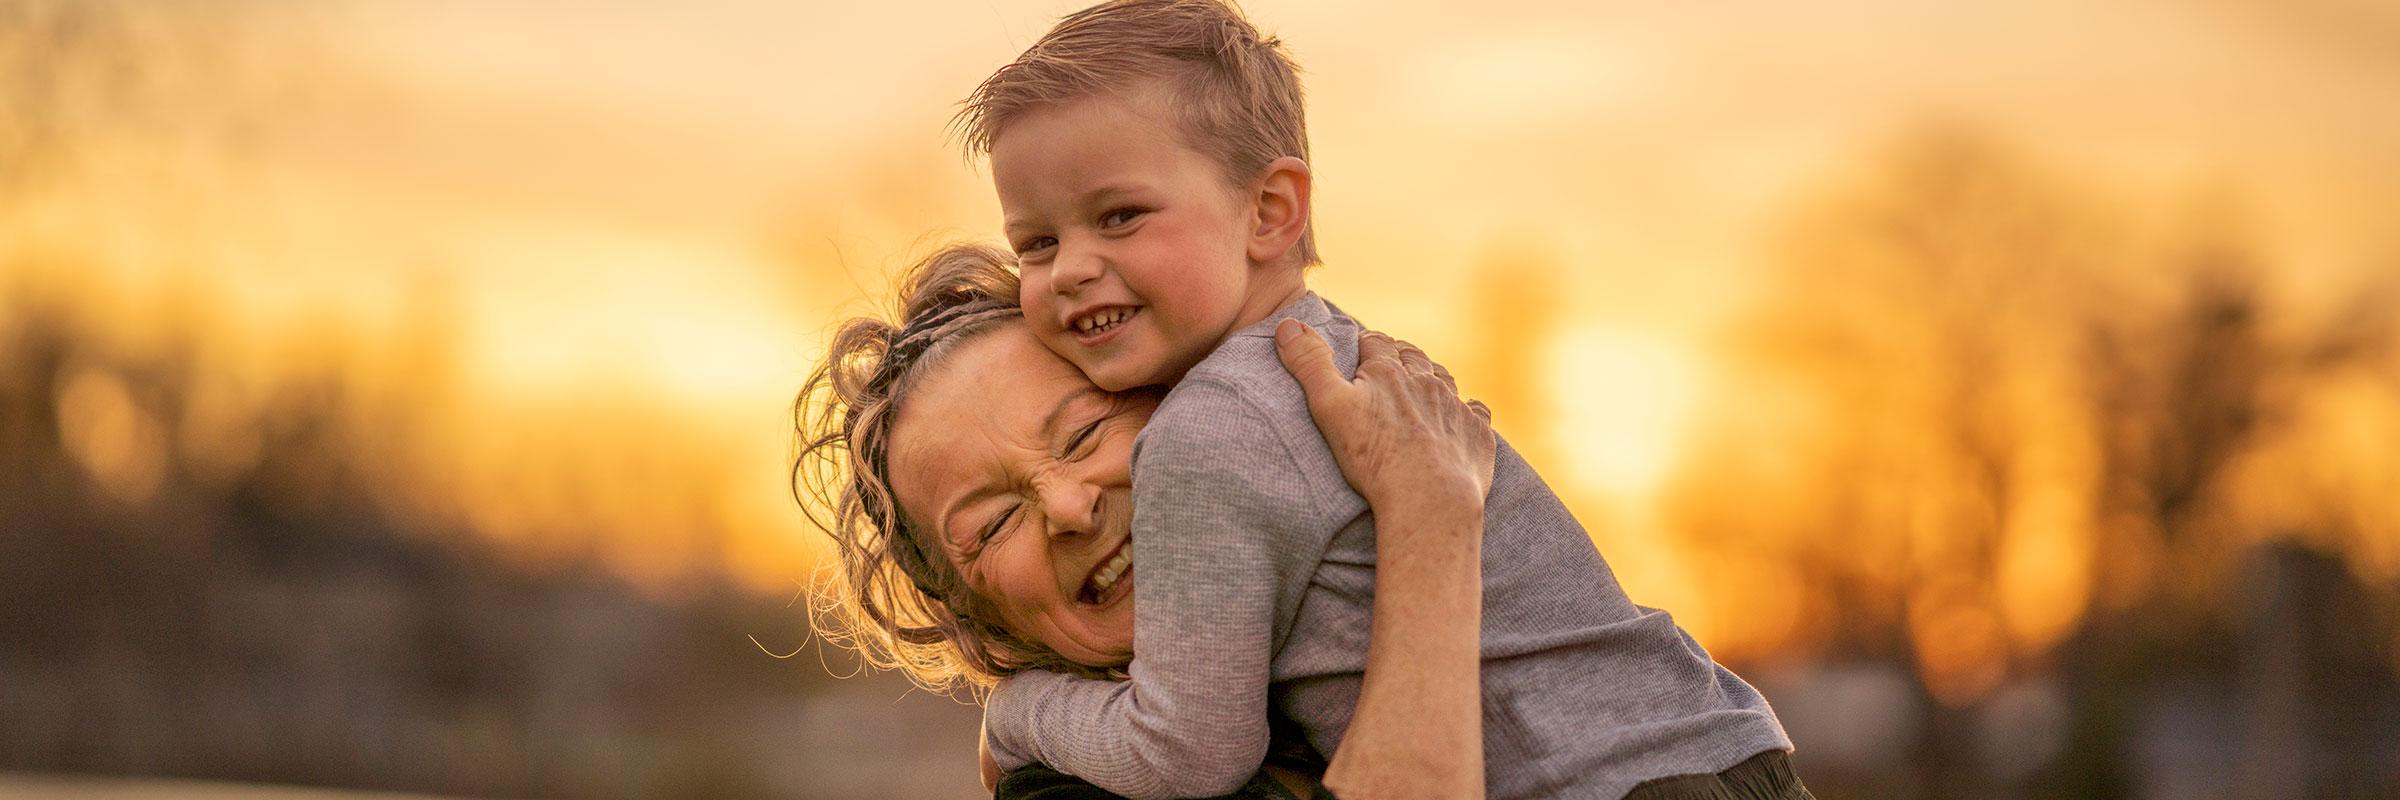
{"x":2003,"y":444}
{"x":283,"y":619}
{"x":266,"y":574}
{"x":1514,"y":312}
{"x":81,"y":80}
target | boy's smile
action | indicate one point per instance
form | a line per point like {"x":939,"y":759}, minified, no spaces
{"x":1132,"y":245}
{"x":1094,"y":327}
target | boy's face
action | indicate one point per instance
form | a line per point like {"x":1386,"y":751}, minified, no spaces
{"x":1132,"y":245}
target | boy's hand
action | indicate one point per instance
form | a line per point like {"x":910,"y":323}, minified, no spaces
{"x":1399,"y":430}
{"x":983,"y":755}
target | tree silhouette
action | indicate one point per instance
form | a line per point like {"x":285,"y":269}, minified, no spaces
{"x":2007,"y":445}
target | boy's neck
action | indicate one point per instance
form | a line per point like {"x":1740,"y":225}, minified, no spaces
{"x":1282,"y":286}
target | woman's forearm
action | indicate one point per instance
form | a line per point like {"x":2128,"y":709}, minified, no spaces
{"x":1422,"y":458}
{"x":1418,"y":730}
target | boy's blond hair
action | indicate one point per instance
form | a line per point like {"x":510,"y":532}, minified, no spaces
{"x":1237,"y":93}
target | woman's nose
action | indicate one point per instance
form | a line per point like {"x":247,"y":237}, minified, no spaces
{"x":1071,"y":506}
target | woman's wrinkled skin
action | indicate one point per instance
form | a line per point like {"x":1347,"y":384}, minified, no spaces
{"x":1022,"y":469}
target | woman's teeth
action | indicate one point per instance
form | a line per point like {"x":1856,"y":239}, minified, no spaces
{"x":1102,"y":320}
{"x":1106,"y":577}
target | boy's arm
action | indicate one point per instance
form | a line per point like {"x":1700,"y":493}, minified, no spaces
{"x":1225,"y":521}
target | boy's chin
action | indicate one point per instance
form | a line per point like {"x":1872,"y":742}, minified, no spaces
{"x":1120,"y":371}
{"x":1125,"y":373}
{"x":1114,"y":376}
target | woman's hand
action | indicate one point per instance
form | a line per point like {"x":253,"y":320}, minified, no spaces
{"x":1399,"y":429}
{"x":1423,"y":460}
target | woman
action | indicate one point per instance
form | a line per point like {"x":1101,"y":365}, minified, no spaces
{"x":896,"y":410}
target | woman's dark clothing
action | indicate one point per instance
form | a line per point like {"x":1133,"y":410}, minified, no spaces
{"x":1038,"y":782}
{"x":1287,"y":749}
{"x":1766,"y":776}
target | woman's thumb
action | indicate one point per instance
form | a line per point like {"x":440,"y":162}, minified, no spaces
{"x":1310,"y":360}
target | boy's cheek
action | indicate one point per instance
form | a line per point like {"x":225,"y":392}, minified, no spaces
{"x":1094,"y":367}
{"x":1035,"y":304}
{"x":1044,"y":324}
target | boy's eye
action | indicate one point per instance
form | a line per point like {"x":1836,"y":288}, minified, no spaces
{"x":1034,"y":244}
{"x":1120,"y":217}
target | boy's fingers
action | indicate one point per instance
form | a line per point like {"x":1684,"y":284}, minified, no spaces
{"x":1310,"y":360}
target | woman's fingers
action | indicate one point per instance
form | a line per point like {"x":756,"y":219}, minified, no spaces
{"x":1310,"y":360}
{"x":1413,"y":358}
{"x":1377,"y":350}
{"x":1399,"y":429}
{"x":1443,"y":373}
{"x":1415,"y":362}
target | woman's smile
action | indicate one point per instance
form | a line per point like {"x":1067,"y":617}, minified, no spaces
{"x":1022,"y":471}
{"x":1112,"y":580}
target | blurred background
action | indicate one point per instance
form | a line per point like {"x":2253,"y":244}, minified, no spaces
{"x":395,"y":395}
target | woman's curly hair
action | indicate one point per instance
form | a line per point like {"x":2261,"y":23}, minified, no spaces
{"x":894,"y":595}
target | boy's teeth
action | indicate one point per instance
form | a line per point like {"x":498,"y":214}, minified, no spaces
{"x":1102,"y":319}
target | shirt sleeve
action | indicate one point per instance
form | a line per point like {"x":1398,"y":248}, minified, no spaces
{"x":1227,"y":528}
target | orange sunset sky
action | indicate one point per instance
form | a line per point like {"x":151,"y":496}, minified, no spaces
{"x":632,"y":222}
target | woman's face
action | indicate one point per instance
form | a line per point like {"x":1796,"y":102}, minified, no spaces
{"x":1021,"y":469}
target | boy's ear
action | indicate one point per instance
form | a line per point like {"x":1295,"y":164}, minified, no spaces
{"x":1281,"y":205}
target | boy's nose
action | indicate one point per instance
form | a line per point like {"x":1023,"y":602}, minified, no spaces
{"x":1071,"y":274}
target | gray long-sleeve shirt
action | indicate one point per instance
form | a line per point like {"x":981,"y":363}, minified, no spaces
{"x":1254,"y":568}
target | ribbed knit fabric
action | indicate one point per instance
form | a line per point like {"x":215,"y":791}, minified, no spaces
{"x":1254,"y":567}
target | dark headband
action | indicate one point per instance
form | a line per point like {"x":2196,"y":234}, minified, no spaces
{"x":901,"y":351}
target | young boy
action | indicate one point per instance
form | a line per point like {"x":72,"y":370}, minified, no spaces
{"x":1150,"y":161}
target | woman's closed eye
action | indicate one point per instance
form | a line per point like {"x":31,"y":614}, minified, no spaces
{"x":998,"y":524}
{"x":1078,"y":445}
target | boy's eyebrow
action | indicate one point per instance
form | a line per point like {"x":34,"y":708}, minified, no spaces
{"x":1094,"y":197}
{"x":1015,"y":223}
